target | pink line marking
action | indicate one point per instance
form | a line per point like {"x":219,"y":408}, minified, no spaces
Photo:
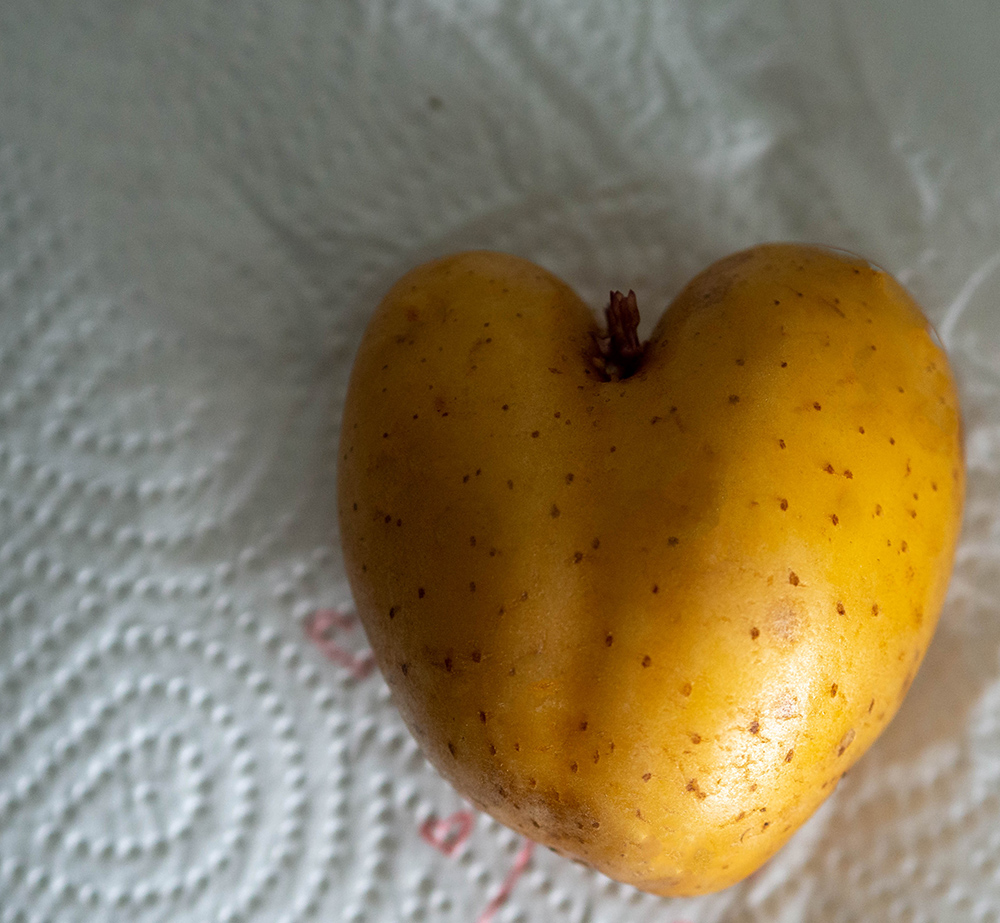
{"x":449,"y":834}
{"x":521,"y":861}
{"x":319,"y":628}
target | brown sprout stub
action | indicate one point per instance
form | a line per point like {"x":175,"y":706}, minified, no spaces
{"x":624,"y":350}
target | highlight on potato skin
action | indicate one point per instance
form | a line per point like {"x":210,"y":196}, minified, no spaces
{"x":650,"y":620}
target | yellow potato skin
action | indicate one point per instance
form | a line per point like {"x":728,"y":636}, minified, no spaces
{"x":651,"y":622}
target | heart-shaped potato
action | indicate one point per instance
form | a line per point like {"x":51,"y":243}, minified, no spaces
{"x":650,"y":619}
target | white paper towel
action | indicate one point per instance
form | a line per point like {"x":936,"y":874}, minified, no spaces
{"x":200,"y":204}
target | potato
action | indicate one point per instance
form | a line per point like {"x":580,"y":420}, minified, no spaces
{"x":649,"y":612}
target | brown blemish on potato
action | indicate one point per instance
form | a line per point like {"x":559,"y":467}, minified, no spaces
{"x":693,"y":786}
{"x":754,"y":633}
{"x":789,"y":756}
{"x":647,"y":660}
{"x":793,"y":578}
{"x":840,"y":609}
{"x":754,"y":727}
{"x":845,"y":742}
{"x":686,"y":689}
{"x":783,"y":504}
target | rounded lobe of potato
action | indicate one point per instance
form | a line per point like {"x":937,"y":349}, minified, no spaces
{"x":651,"y":622}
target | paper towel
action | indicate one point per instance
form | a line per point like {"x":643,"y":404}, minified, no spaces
{"x":200,"y":204}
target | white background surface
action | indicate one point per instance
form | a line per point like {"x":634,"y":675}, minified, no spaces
{"x":200,"y":204}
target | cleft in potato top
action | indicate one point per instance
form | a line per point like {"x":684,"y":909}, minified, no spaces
{"x":647,"y":603}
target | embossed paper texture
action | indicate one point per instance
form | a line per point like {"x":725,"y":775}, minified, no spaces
{"x":200,"y":204}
